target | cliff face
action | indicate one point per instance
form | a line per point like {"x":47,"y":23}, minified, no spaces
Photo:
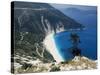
{"x":32,"y":22}
{"x":39,"y":17}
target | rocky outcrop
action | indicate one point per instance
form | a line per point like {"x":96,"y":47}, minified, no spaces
{"x":78,"y":63}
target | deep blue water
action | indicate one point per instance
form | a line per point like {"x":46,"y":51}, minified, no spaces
{"x":88,"y":43}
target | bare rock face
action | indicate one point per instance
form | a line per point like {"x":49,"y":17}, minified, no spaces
{"x":78,"y":63}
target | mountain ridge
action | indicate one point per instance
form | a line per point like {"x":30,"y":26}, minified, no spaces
{"x":32,"y":26}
